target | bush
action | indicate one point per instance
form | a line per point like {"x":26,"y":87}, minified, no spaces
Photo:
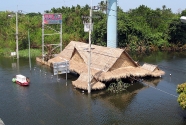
{"x":117,"y":87}
{"x":6,"y":52}
{"x":181,"y":89}
{"x":33,"y":53}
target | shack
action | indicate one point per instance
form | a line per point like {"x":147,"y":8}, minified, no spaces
{"x":106,"y":64}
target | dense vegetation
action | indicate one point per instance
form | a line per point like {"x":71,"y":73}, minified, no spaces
{"x":139,"y":29}
{"x":118,"y":86}
{"x":181,"y":89}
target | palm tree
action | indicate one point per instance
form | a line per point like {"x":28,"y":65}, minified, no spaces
{"x":103,"y":6}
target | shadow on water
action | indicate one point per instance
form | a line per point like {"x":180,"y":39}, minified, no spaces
{"x":152,"y":81}
{"x":123,"y":99}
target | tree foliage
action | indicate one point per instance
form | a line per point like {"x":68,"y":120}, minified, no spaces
{"x":181,"y":90}
{"x":137,"y":28}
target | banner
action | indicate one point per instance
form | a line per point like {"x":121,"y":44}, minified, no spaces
{"x":54,"y":18}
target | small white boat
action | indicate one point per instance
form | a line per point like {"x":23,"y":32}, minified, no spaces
{"x":21,"y":80}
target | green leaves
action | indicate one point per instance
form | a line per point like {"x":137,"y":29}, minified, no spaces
{"x":118,"y":86}
{"x":141,"y":26}
{"x":181,"y":89}
{"x":33,"y":53}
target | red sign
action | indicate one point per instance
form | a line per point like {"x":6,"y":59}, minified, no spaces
{"x":50,"y":18}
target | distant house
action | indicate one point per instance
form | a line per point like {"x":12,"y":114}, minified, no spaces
{"x":106,"y":64}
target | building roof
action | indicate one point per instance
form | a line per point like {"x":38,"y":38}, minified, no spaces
{"x":106,"y":63}
{"x":150,"y":67}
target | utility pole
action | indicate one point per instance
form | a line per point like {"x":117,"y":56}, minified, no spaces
{"x":17,"y":49}
{"x":89,"y":60}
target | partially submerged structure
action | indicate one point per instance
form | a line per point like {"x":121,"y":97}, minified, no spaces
{"x":106,"y":64}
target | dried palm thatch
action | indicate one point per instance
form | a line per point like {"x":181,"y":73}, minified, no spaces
{"x":56,"y":59}
{"x":106,"y":63}
{"x":127,"y":72}
{"x":82,"y":83}
{"x":150,"y":67}
{"x":102,"y":58}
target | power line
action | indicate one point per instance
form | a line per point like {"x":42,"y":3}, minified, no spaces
{"x":140,"y":81}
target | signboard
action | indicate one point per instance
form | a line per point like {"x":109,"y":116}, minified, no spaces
{"x":13,"y":53}
{"x":183,"y":19}
{"x":61,"y":67}
{"x":87,"y":27}
{"x":54,"y":18}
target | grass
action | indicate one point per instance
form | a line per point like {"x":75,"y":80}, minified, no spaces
{"x":33,"y":53}
{"x":22,"y":53}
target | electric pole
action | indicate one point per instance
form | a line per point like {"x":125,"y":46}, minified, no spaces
{"x":89,"y":60}
{"x":17,"y":49}
{"x":88,"y":27}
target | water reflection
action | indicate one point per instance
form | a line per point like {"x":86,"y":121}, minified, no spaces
{"x":49,"y":101}
{"x":122,"y":100}
{"x":152,"y":81}
{"x":119,"y":100}
{"x":21,"y":96}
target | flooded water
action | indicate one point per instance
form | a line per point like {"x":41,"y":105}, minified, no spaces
{"x":51,"y":100}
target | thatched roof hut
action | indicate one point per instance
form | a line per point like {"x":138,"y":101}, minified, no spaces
{"x":106,"y":63}
{"x":83,"y":79}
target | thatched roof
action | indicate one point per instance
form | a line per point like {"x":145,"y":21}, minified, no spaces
{"x":106,"y":63}
{"x":102,"y":58}
{"x":82,"y":82}
{"x":150,"y":67}
{"x":127,"y":72}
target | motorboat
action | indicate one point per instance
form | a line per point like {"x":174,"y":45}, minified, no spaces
{"x":21,"y":80}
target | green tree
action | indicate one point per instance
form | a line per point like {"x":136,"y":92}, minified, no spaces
{"x":183,"y":13}
{"x":181,"y":90}
{"x":177,"y":32}
{"x":141,"y":27}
